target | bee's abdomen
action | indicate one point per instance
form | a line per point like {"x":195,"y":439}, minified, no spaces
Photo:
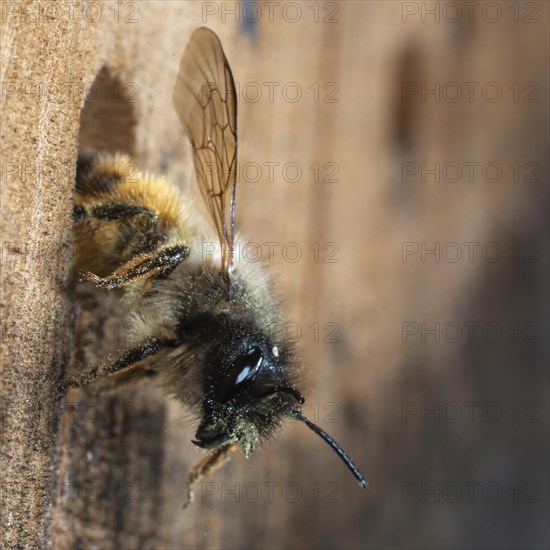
{"x":120,"y":212}
{"x":99,"y":174}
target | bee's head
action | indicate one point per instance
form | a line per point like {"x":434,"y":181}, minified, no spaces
{"x":247,"y":389}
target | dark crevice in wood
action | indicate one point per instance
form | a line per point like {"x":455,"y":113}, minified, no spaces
{"x":108,"y":118}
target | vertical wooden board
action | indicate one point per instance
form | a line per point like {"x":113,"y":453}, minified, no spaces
{"x":122,"y":460}
{"x":41,"y":97}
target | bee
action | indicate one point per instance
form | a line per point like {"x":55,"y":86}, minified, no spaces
{"x":205,"y":324}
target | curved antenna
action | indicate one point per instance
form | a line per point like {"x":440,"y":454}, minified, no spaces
{"x":291,"y":391}
{"x":339,"y":451}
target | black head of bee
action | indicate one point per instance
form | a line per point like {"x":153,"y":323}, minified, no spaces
{"x":247,"y":388}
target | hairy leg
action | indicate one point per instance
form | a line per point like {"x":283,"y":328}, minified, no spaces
{"x":144,"y":266}
{"x":206,"y":467}
{"x":127,"y":360}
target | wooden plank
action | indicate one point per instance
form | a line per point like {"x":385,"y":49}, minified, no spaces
{"x":109,"y":472}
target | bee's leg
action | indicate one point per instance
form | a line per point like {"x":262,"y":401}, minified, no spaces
{"x":206,"y":467}
{"x":126,"y":361}
{"x":129,"y":378}
{"x":112,"y":211}
{"x":144,"y":266}
{"x":139,"y":223}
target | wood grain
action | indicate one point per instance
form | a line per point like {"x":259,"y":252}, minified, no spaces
{"x":109,"y":472}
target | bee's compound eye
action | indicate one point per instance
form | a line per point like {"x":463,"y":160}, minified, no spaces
{"x":244,"y":370}
{"x":248,"y":365}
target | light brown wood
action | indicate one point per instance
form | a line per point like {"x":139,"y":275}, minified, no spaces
{"x":109,"y":472}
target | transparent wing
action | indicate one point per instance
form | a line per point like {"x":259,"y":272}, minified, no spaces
{"x":206,"y":104}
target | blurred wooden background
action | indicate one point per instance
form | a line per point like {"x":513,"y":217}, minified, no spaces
{"x":109,"y":472}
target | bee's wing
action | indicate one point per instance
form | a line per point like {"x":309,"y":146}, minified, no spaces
{"x":206,"y":104}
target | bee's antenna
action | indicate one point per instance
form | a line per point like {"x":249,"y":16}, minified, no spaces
{"x":339,"y":451}
{"x":291,"y":391}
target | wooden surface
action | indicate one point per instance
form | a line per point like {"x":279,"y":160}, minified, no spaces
{"x":109,"y":472}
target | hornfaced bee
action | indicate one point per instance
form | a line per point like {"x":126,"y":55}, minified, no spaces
{"x":208,"y":323}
